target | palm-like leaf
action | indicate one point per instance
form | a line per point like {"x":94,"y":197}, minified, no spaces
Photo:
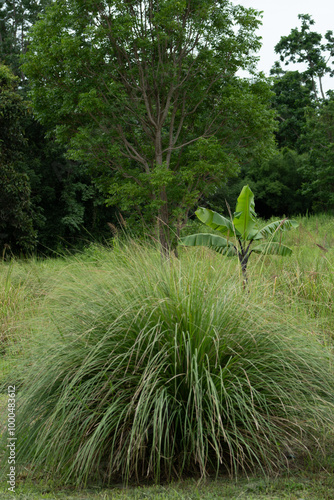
{"x":278,"y":225}
{"x":272,"y":248}
{"x":229,"y":251}
{"x":245,"y":217}
{"x":215,"y":221}
{"x":217,"y":243}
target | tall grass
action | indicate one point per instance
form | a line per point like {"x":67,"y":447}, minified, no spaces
{"x":304,"y":281}
{"x":23,"y":286}
{"x":148,"y":368}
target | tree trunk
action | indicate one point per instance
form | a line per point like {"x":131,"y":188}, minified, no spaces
{"x":163,"y":227}
{"x":243,"y":259}
{"x":163,"y":214}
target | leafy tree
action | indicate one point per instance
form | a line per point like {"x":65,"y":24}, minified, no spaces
{"x":304,"y":118}
{"x":16,"y":223}
{"x":46,"y":201}
{"x":296,"y":91}
{"x":68,"y":210}
{"x":308,"y":47}
{"x":12,"y":111}
{"x":243,"y":228}
{"x":146,"y":94}
{"x":65,"y":206}
{"x":293,"y":94}
{"x":17,"y":233}
{"x":16,"y":18}
{"x":318,"y":140}
{"x":277,"y":183}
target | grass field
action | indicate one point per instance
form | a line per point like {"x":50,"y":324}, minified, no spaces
{"x":169,"y":328}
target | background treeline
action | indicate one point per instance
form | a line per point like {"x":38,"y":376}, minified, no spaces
{"x":53,"y":195}
{"x":47,"y":202}
{"x":299,"y":176}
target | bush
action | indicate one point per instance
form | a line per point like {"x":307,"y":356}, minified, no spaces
{"x":154,"y":368}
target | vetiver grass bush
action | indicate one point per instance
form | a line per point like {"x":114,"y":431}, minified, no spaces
{"x":140,"y":367}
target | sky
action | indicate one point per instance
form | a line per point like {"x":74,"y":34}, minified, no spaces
{"x":280,"y":16}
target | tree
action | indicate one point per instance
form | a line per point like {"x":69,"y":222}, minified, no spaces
{"x":146,"y":93}
{"x":306,"y":46}
{"x":16,"y":222}
{"x":318,"y":141}
{"x":46,"y":201}
{"x":305,"y":112}
{"x":17,"y":233}
{"x":12,"y":111}
{"x":277,"y":184}
{"x":243,"y":228}
{"x":293,"y":94}
{"x":67,"y":209}
{"x":17,"y":17}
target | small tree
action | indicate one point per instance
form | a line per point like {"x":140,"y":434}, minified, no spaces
{"x":243,"y":228}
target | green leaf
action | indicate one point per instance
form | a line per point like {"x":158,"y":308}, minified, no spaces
{"x":278,"y":225}
{"x":272,"y":248}
{"x":228,"y":251}
{"x":244,"y":216}
{"x":217,"y":243}
{"x":215,"y":221}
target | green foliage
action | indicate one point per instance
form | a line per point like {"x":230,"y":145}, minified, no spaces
{"x":293,"y":95}
{"x":46,"y":201}
{"x":16,"y":17}
{"x":12,"y":111}
{"x":16,"y":224}
{"x":319,"y":170}
{"x":244,"y":228}
{"x":148,"y":97}
{"x":277,"y":184}
{"x":306,"y":46}
{"x":142,"y":367}
{"x":305,"y":112}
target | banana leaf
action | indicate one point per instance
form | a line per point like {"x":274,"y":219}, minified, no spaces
{"x":215,"y":242}
{"x":272,"y":248}
{"x":245,"y":217}
{"x":215,"y":221}
{"x":278,"y":225}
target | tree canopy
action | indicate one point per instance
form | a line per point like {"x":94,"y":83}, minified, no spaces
{"x":16,"y":17}
{"x":303,"y":45}
{"x":146,"y":93}
{"x":306,"y":112}
{"x":16,"y":219}
{"x":318,"y":140}
{"x":141,"y":110}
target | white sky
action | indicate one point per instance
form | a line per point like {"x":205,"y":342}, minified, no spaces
{"x":280,"y":16}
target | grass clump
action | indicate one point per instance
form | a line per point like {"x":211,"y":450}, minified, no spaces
{"x":11,"y":300}
{"x":150,"y":368}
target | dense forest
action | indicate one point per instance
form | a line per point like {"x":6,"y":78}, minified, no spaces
{"x":132,"y":113}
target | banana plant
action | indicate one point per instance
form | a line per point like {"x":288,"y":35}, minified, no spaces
{"x":241,"y":234}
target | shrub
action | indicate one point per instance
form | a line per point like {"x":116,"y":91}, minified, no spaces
{"x":154,"y":368}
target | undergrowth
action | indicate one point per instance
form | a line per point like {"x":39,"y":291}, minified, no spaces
{"x":141,"y":368}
